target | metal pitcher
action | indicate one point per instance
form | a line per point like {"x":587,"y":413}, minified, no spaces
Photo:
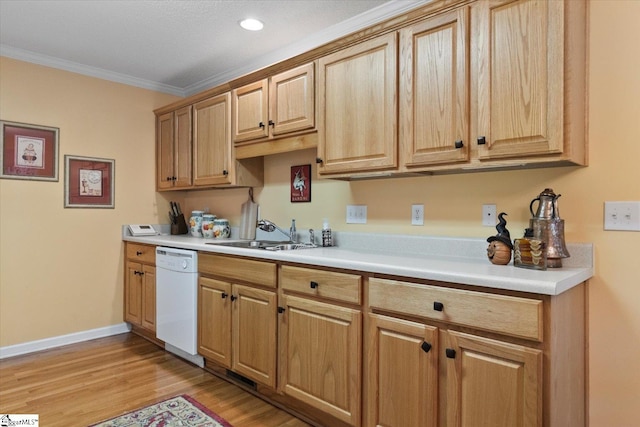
{"x":547,"y":206}
{"x":548,"y":227}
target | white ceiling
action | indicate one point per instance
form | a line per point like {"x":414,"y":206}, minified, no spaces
{"x":177,"y":46}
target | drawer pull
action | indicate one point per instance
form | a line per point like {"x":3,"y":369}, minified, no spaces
{"x":233,"y":297}
{"x":425,"y":346}
{"x":438,"y":306}
{"x":451,"y":353}
{"x":313,"y":284}
{"x":138,"y":253}
{"x":482,"y":140}
{"x":281,"y":310}
{"x":224,"y":295}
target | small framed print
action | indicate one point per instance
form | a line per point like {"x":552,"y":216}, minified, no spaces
{"x":88,"y":182}
{"x":301,"y":183}
{"x":28,"y":151}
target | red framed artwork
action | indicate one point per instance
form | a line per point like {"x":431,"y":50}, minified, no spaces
{"x":28,"y":151}
{"x":88,"y":182}
{"x":300,"y":183}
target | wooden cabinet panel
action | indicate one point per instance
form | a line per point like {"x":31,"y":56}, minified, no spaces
{"x":357,"y":90}
{"x":133,"y":293}
{"x":517,"y":77}
{"x":402,"y":369}
{"x":212,"y":161}
{"x":140,"y":286}
{"x":490,"y":383}
{"x":251,"y":114}
{"x":164,"y":151}
{"x":148,"y":319}
{"x":320,"y":356}
{"x":434,"y":90}
{"x":173,"y":152}
{"x":515,"y":316}
{"x":246,"y":270}
{"x":292,"y":100}
{"x":254,"y":334}
{"x":141,"y":253}
{"x":326,"y":284}
{"x":214,"y":320}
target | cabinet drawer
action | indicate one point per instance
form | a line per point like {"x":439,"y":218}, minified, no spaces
{"x":326,"y":284}
{"x":245,"y":270}
{"x":519,"y":317}
{"x":141,"y":253}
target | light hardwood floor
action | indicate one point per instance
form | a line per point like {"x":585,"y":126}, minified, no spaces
{"x":82,"y":384}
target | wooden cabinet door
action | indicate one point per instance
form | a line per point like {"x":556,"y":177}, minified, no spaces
{"x":133,"y":294}
{"x":517,"y":77}
{"x":251,"y":109}
{"x":173,"y":163}
{"x":434,"y":90}
{"x":183,"y":152}
{"x":320,"y":356}
{"x":357,"y":99}
{"x":164,"y":151}
{"x":212,"y":141}
{"x":489,"y":383}
{"x":214,"y":320}
{"x":254,"y":334}
{"x":402,"y":373}
{"x":292,"y":100}
{"x":148,"y":319}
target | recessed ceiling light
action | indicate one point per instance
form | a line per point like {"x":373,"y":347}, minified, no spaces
{"x":251,"y":24}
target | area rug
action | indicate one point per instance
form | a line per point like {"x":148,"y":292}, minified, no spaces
{"x":183,"y":411}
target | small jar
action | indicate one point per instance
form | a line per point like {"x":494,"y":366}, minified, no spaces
{"x":221,"y":229}
{"x":207,"y":225}
{"x":195,"y":223}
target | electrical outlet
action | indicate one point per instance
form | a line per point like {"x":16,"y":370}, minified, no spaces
{"x":624,"y":216}
{"x":417,"y":214}
{"x":489,"y":217}
{"x":356,"y":214}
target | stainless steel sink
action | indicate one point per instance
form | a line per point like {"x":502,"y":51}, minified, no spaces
{"x":263,"y":244}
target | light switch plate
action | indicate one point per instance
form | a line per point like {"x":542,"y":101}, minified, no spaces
{"x":489,"y":217}
{"x":623,"y":216}
{"x":356,"y":214}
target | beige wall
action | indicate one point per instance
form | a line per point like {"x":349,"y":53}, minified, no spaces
{"x":62,"y":270}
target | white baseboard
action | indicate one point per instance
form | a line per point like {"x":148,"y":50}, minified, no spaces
{"x":44,"y":344}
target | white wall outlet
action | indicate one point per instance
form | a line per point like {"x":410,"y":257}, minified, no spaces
{"x":417,"y":214}
{"x":623,"y":216}
{"x":489,"y":217}
{"x":356,"y":214}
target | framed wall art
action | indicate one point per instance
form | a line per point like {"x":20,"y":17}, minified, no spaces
{"x":28,"y":151}
{"x":88,"y":182}
{"x":301,"y":183}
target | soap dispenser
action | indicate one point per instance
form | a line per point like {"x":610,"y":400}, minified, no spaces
{"x":293,"y":233}
{"x":327,"y":239}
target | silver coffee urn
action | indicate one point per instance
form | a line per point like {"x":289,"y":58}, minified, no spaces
{"x":548,"y":227}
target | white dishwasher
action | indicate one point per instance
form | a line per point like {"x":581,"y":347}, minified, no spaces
{"x":177,"y":302}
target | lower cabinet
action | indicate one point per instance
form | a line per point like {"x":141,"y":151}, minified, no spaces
{"x":237,"y":322}
{"x":140,"y":287}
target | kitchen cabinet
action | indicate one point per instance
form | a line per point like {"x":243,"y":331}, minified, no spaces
{"x":434,"y":91}
{"x":212,"y":160}
{"x":320,"y":343}
{"x":140,"y":287}
{"x":474,"y":358}
{"x":357,"y":119}
{"x":173,"y":152}
{"x":275,"y":106}
{"x":236,"y":318}
{"x":527,"y":65}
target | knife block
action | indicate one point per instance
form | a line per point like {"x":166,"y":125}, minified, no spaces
{"x":180,"y":226}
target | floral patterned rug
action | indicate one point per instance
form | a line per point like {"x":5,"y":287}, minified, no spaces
{"x":183,"y":411}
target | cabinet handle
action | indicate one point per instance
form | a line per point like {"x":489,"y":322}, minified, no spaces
{"x":261,"y":125}
{"x":482,"y":140}
{"x":459,"y":144}
{"x":272,"y":124}
{"x":138,"y":253}
{"x":451,"y":353}
{"x":225,"y":172}
{"x":438,"y":306}
{"x":281,"y":310}
{"x":319,"y":160}
{"x":313,"y":284}
{"x":224,"y":295}
{"x":233,"y":297}
{"x":425,"y":346}
{"x":168,"y":178}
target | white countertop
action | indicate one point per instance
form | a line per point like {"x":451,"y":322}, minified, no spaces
{"x":455,"y":260}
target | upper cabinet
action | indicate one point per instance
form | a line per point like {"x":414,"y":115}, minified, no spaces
{"x":357,"y":121}
{"x":212,"y":141}
{"x":173,"y":135}
{"x":275,"y":106}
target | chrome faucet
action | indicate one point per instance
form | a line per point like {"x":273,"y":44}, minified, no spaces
{"x":266,"y":225}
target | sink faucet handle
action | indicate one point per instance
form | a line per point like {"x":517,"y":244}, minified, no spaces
{"x":312,"y":238}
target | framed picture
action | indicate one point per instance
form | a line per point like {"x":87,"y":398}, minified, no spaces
{"x":301,"y":183}
{"x":88,"y":182}
{"x":28,"y":151}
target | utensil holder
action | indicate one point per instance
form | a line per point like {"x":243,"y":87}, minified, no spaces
{"x":180,"y":226}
